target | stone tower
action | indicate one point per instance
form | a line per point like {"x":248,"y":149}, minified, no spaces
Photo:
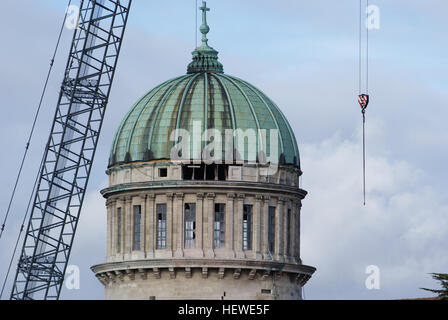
{"x":204,"y":199}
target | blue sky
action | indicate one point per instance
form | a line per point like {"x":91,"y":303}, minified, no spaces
{"x":303,"y":55}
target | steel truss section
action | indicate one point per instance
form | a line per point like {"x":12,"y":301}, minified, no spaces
{"x":71,"y":149}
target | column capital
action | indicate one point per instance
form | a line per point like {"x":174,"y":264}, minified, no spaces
{"x":179,"y":196}
{"x":258,"y":198}
{"x":199,"y":196}
{"x":241,"y":196}
{"x":143,"y":196}
{"x":151,"y":196}
{"x":170,"y":196}
{"x":231,"y":196}
{"x":211,"y":196}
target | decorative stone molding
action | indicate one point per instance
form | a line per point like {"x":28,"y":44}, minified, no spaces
{"x":265,"y":275}
{"x":156,"y":273}
{"x":143,"y":274}
{"x":221,"y":273}
{"x":119,"y":275}
{"x":200,"y":196}
{"x":130,"y":274}
{"x":211,"y":196}
{"x":179,"y":196}
{"x":252,"y":274}
{"x":172,"y":272}
{"x":237,"y":274}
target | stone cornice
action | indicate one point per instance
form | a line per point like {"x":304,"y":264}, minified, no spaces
{"x":301,"y":272}
{"x":235,"y":186}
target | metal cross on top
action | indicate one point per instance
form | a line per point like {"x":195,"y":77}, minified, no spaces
{"x":204,"y":27}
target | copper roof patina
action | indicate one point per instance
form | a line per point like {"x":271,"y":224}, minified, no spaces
{"x":206,"y":95}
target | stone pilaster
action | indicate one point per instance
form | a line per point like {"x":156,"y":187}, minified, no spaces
{"x":239,"y":226}
{"x":180,"y":225}
{"x":257,"y":226}
{"x":230,"y":217}
{"x":279,"y":229}
{"x":128,"y":229}
{"x":265,"y":229}
{"x":200,"y":223}
{"x":121,"y":203}
{"x":110,"y":228}
{"x":209,"y":251}
{"x":169,"y":223}
{"x":299,"y":210}
{"x":150,"y":226}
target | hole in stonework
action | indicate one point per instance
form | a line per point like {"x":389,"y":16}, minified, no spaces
{"x":266,"y":291}
{"x":163,"y":172}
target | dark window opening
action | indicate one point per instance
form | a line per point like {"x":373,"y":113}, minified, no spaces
{"x":163,"y":172}
{"x":247,"y":227}
{"x":265,"y":291}
{"x":190,"y":225}
{"x":204,"y":172}
{"x":137,"y":228}
{"x":219,"y":227}
{"x":161,"y":226}
{"x":210,"y":172}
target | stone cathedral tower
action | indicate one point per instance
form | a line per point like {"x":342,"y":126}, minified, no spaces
{"x":182,"y":225}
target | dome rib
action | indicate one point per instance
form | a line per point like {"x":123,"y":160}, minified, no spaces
{"x":128,"y":114}
{"x":158,"y":107}
{"x":144,"y":108}
{"x":218,"y":101}
{"x":291,"y":133}
{"x":250,"y":106}
{"x":229,"y":100}
{"x":267,"y":107}
{"x":232,"y":111}
{"x":182,"y":103}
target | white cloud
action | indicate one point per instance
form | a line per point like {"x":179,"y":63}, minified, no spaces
{"x":402,"y":229}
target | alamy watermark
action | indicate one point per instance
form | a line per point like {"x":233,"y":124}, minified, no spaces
{"x":72,"y":20}
{"x":373,"y":280}
{"x":239,"y":146}
{"x":373,"y":20}
{"x":72,"y":277}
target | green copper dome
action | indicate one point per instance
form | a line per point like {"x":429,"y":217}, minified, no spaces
{"x":205,"y":95}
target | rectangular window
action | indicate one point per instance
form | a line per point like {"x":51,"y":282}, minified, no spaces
{"x":247,"y":227}
{"x":271,"y":230}
{"x":163,"y":172}
{"x":119,"y":228}
{"x":137,"y":228}
{"x":190,"y":225}
{"x":288,"y":233}
{"x":219,"y":226}
{"x":161,"y":226}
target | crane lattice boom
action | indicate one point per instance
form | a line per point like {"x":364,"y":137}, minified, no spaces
{"x":71,"y":149}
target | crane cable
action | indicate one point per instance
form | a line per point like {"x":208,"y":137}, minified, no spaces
{"x":363,"y":98}
{"x":28,"y":144}
{"x":22,"y":227}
